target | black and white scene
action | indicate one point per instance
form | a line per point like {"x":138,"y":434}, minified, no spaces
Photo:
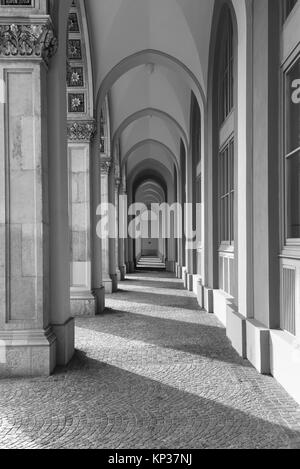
{"x":149,"y":227}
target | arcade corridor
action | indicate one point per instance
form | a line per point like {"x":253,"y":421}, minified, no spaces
{"x":152,"y":372}
{"x":149,"y":224}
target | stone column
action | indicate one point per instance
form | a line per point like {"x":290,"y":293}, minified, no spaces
{"x":122,"y":231}
{"x":170,"y":244}
{"x":27,"y":341}
{"x":117,"y":187}
{"x":83,"y":302}
{"x":96,"y":257}
{"x":130,"y":241}
{"x":190,"y":224}
{"x":105,"y":165}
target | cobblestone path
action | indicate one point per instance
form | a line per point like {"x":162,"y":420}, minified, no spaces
{"x":152,"y":372}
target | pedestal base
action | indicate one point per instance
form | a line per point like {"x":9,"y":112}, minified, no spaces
{"x":123,"y":272}
{"x":170,"y":266}
{"x":221,"y":301}
{"x":131,"y":267}
{"x":189,"y":282}
{"x":118,"y":273}
{"x":184,"y":276}
{"x":108,"y":285}
{"x":200,"y":295}
{"x":285,"y":361}
{"x":27,"y":353}
{"x":65,"y":341}
{"x":208,"y":299}
{"x":114,"y":279}
{"x":100,"y":299}
{"x":258,"y":346}
{"x":83,"y":304}
{"x":236,"y":330}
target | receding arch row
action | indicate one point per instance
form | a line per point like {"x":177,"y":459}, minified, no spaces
{"x":148,"y":112}
{"x":155,"y":143}
{"x":150,"y":186}
{"x":142,"y":58}
{"x":150,"y":194}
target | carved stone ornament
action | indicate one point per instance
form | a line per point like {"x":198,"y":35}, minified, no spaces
{"x":27,"y":40}
{"x":81,"y":131}
{"x":105,"y":165}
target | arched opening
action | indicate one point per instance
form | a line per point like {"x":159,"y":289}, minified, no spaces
{"x":150,"y":247}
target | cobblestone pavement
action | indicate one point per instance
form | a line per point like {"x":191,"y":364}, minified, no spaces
{"x":152,"y":372}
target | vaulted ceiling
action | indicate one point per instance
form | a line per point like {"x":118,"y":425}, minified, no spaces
{"x":148,"y":55}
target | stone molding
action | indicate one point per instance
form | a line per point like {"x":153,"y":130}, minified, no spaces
{"x":105,"y":165}
{"x":81,"y":131}
{"x":27,"y":40}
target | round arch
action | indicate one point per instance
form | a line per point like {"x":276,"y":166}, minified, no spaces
{"x":150,"y":186}
{"x":148,"y":112}
{"x":153,"y":142}
{"x":150,"y":56}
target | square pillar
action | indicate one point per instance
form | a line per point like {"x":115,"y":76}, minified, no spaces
{"x":83,"y":302}
{"x":27,"y":341}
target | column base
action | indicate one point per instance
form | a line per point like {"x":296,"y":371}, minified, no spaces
{"x":200,"y":293}
{"x":119,"y":276}
{"x":65,"y":341}
{"x":236,"y":330}
{"x":131,"y":267}
{"x":114,"y":280}
{"x":189,"y":282}
{"x":123,"y":272}
{"x":184,"y":276}
{"x":196,"y":280}
{"x":82,"y":304}
{"x":258,"y":346}
{"x":100,"y":299}
{"x":27,"y":353}
{"x":220,"y":302}
{"x":208,"y":299}
{"x":285,"y":361}
{"x":108,"y":285}
{"x":170,"y":266}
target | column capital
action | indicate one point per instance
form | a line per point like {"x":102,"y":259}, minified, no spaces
{"x":105,"y":165}
{"x":31,"y":38}
{"x":123,"y":190}
{"x":81,"y":131}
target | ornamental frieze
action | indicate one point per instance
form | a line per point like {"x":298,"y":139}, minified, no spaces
{"x":27,"y":40}
{"x":82,"y":131}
